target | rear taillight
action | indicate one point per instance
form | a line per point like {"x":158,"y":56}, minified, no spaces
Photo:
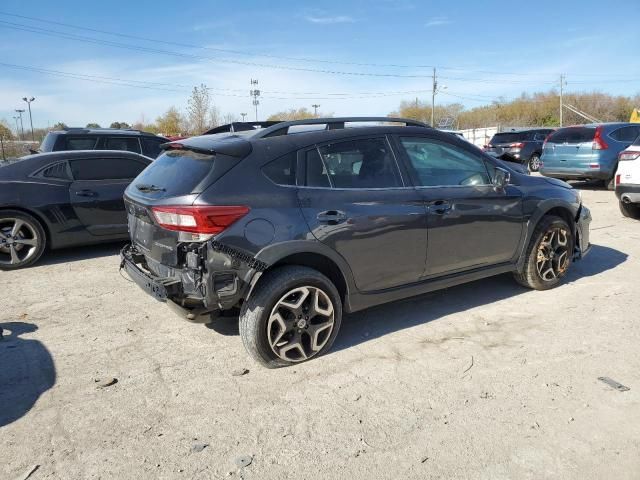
{"x":598,"y":141}
{"x":628,"y":155}
{"x":516,"y":145}
{"x":618,"y":179}
{"x":199,"y":219}
{"x":544,"y":144}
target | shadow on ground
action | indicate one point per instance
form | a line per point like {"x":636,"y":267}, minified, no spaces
{"x":74,"y":254}
{"x":26,"y":371}
{"x":379,"y":321}
{"x":594,"y":185}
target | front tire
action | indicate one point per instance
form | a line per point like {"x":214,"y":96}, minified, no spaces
{"x":22,"y":240}
{"x":548,"y":255}
{"x":534,"y":162}
{"x":293,"y":314}
{"x":630,"y":210}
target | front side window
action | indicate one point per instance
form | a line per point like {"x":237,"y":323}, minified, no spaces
{"x":128,"y":144}
{"x":81,"y":143}
{"x":437,"y":163}
{"x":363,"y":163}
{"x":106,"y":168}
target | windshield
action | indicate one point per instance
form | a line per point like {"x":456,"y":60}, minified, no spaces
{"x":176,"y":172}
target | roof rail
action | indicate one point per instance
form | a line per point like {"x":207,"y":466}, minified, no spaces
{"x":337,"y":123}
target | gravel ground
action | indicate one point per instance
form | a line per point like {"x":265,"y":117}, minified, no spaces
{"x":485,"y":380}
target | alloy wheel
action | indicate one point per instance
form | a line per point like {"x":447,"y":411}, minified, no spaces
{"x":534,"y":163}
{"x":300,"y":324}
{"x":18,"y":241}
{"x":552,"y":258}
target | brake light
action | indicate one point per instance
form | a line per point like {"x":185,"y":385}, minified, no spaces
{"x":199,"y":219}
{"x":618,"y":179}
{"x":598,"y":141}
{"x":628,"y":155}
{"x":516,"y":145}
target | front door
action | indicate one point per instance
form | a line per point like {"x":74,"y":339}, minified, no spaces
{"x":471,"y":223}
{"x":355,"y":200}
{"x":97,"y":190}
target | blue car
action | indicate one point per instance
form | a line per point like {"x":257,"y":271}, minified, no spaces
{"x":587,"y":152}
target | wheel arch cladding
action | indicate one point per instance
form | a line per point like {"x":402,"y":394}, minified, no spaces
{"x":37,"y":216}
{"x":318,"y":262}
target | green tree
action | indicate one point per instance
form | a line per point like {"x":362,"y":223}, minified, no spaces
{"x":92,"y":125}
{"x":302,"y":113}
{"x":119,"y":125}
{"x":5,"y":131}
{"x":171,"y":122}
{"x":59,"y":126}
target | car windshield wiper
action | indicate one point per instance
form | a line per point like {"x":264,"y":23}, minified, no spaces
{"x":143,"y":187}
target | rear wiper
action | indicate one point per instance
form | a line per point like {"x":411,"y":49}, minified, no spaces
{"x":143,"y":187}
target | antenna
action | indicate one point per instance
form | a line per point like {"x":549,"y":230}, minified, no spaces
{"x":255,"y":93}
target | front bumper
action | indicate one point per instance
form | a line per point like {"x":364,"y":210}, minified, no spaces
{"x":163,"y":289}
{"x":583,"y":223}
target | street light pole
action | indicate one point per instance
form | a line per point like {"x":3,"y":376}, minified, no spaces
{"x":243,"y":116}
{"x":20,"y":112}
{"x":17,"y":127}
{"x":315,"y":109}
{"x":29,"y":100}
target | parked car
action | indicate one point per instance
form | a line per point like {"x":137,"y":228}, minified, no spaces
{"x":523,"y":146}
{"x":129,"y":140}
{"x":293,"y":229}
{"x":587,"y":152}
{"x":628,"y":180}
{"x":63,"y":199}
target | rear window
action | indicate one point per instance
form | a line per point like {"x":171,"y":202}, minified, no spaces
{"x":509,"y":137}
{"x":177,"y":171}
{"x":49,"y":142}
{"x":573,"y":135}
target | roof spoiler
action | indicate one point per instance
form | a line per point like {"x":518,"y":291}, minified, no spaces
{"x":232,"y":146}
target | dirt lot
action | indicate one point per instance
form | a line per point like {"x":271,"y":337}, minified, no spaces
{"x":485,"y":380}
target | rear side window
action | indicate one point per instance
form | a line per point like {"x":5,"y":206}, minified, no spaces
{"x":129,"y":144}
{"x":364,"y":163}
{"x":282,"y":171}
{"x":540,"y":136}
{"x":626,"y":134}
{"x":48,"y":142}
{"x":573,"y":135}
{"x":151,"y":146}
{"x":81,"y":143}
{"x":58,"y":171}
{"x":106,"y":168}
{"x":178,"y":171}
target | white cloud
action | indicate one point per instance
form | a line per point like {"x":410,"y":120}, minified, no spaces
{"x":329,"y":20}
{"x":438,"y":21}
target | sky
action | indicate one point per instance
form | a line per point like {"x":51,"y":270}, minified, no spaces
{"x":132,"y":60}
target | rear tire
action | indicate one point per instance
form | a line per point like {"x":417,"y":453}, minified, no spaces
{"x":630,"y":210}
{"x":293,"y":314}
{"x":534,"y":162}
{"x":22,"y":240}
{"x":548,"y":255}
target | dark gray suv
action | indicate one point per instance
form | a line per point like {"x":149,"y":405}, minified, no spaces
{"x":296,"y":223}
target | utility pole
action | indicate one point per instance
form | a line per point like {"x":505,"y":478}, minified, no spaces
{"x":433,"y":97}
{"x":243,"y":115}
{"x":562,"y":84}
{"x":29,"y":100}
{"x":255,"y":93}
{"x":20,"y":112}
{"x":315,"y":109}
{"x":17,"y":127}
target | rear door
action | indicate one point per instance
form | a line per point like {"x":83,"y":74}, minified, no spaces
{"x":471,"y":223}
{"x":97,"y":189}
{"x":356,"y":200}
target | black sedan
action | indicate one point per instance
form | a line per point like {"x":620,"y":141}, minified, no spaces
{"x":63,"y":199}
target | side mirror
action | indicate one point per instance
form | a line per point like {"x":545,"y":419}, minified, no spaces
{"x":501,"y":177}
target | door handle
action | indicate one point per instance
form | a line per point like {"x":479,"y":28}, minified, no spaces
{"x":86,"y":193}
{"x":440,"y":207}
{"x":331,"y":217}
